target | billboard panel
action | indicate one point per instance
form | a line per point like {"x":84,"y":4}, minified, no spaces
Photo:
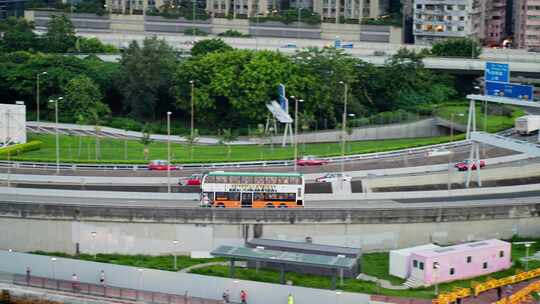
{"x":12,"y":123}
{"x":510,"y":90}
{"x":278,"y":112}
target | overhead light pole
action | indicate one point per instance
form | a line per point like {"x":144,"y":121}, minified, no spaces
{"x":343,"y":125}
{"x":192,"y":82}
{"x":55,"y":101}
{"x":175,"y":243}
{"x":436,"y":267}
{"x":94,"y":235}
{"x":169,"y":152}
{"x":296,"y":101}
{"x":37,"y":94}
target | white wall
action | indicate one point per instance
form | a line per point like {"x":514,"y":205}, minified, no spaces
{"x":12,"y":123}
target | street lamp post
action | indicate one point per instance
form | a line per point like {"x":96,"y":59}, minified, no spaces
{"x":298,"y":25}
{"x":55,"y":101}
{"x":53,"y":260}
{"x":527,"y":245}
{"x":343,"y":125}
{"x":94,"y":234}
{"x":436,"y":267}
{"x":37,"y":94}
{"x":192,"y":82}
{"x":140,"y":270}
{"x":169,"y":152}
{"x":296,"y":101}
{"x":175,"y":243}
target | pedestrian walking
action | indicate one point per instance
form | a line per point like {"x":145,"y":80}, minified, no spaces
{"x":290,"y":299}
{"x":102,"y":278}
{"x":499,"y":292}
{"x":508,"y":290}
{"x":74,"y":282}
{"x":243,"y":297}
{"x":226,"y":296}
{"x":28,"y":272}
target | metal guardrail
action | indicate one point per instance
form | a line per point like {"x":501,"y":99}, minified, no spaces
{"x":253,"y":164}
{"x":106,"y":291}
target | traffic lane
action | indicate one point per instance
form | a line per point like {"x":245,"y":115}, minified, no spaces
{"x":461,"y":201}
{"x":403,"y":160}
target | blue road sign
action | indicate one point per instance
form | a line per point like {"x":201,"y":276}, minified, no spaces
{"x":347,"y":46}
{"x":510,"y":90}
{"x":498,"y":72}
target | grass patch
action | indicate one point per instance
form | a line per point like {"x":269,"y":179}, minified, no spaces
{"x":81,"y":150}
{"x":499,"y":117}
{"x":161,"y":262}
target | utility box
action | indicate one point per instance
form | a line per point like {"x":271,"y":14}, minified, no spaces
{"x":12,"y":124}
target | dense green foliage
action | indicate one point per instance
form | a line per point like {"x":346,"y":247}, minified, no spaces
{"x":289,"y":16}
{"x":146,"y":75}
{"x":457,"y":47}
{"x":16,"y":150}
{"x":206,"y":46}
{"x":18,"y":35}
{"x":233,"y":33}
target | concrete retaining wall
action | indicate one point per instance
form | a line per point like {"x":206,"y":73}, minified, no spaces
{"x":155,"y":237}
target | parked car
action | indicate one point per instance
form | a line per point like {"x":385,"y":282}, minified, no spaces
{"x":310,"y":160}
{"x":333,"y":177}
{"x":464,"y":165}
{"x":192,"y":180}
{"x":438,"y":152}
{"x":161,"y":165}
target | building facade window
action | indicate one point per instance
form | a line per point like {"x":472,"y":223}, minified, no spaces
{"x":415,"y":263}
{"x":485,"y":265}
{"x":469,"y":259}
{"x":421,"y":265}
{"x":452,"y":271}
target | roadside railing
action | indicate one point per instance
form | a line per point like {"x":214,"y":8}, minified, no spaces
{"x":248,"y":164}
{"x":107,"y":291}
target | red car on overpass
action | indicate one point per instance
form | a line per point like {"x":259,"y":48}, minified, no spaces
{"x":161,"y":165}
{"x":193,"y":180}
{"x":311,"y":160}
{"x":464,"y":165}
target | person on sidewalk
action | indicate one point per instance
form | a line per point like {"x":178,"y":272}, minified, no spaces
{"x":290,"y":299}
{"x":74,"y":282}
{"x":28,"y":272}
{"x":102,"y":278}
{"x":226,"y":297}
{"x":499,"y":292}
{"x":243,"y":297}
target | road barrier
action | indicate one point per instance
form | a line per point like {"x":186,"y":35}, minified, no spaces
{"x":477,"y":288}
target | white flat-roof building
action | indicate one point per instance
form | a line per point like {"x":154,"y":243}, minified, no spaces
{"x":400,"y":265}
{"x":12,"y":124}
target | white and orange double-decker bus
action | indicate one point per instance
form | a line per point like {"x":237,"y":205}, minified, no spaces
{"x":252,"y":190}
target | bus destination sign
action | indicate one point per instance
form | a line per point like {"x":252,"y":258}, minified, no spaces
{"x":251,"y":188}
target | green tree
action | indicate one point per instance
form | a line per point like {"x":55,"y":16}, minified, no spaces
{"x":146,"y":76}
{"x":457,"y":47}
{"x":60,"y":36}
{"x":18,"y":35}
{"x":83,"y":98}
{"x":227,"y":136}
{"x":93,"y":45}
{"x":146,"y":140}
{"x":203,"y":47}
{"x":192,"y":140}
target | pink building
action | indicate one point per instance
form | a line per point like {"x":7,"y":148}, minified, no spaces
{"x":460,"y":261}
{"x":527,"y":23}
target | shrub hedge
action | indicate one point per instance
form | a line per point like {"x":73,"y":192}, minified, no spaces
{"x":20,"y":148}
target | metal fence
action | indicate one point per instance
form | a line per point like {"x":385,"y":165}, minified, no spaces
{"x":107,"y":291}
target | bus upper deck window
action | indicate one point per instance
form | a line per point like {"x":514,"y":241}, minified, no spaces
{"x":235,"y":179}
{"x":210,"y":179}
{"x":247,"y":179}
{"x":259,"y":179}
{"x":283,"y":180}
{"x":296,"y":180}
{"x":222,"y":179}
{"x":271,"y":180}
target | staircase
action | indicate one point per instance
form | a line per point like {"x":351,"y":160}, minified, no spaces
{"x":413,"y":282}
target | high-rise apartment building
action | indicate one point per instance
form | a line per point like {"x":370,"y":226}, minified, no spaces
{"x":527,"y":23}
{"x":484,"y":20}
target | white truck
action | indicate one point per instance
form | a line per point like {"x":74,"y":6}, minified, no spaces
{"x":525,"y":125}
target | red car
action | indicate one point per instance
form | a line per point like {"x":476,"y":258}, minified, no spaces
{"x":311,"y":160}
{"x":464,"y":165}
{"x":193,"y":180}
{"x":161,"y":165}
